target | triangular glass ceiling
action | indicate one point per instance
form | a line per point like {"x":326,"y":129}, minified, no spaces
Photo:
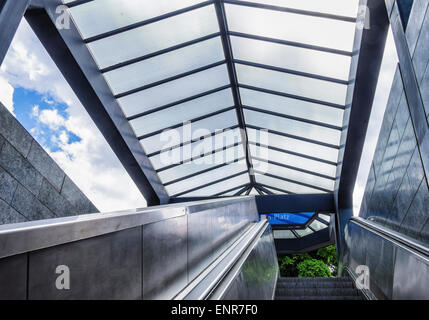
{"x":228,"y":69}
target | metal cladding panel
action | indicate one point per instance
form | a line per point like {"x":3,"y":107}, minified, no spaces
{"x":165,"y":258}
{"x":103,"y":267}
{"x":258,"y":275}
{"x":13,"y":277}
{"x":411,"y":279}
{"x":212,"y":230}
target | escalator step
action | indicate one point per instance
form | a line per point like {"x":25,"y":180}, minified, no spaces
{"x":315,"y":285}
{"x":319,"y":298}
{"x":317,"y":292}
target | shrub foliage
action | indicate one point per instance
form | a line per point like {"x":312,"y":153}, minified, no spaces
{"x":320,"y":263}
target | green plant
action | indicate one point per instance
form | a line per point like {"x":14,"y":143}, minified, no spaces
{"x":313,"y":268}
{"x":320,"y":263}
{"x":329,"y":256}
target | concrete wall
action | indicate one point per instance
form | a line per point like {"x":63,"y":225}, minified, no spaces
{"x":32,"y":185}
{"x":397,"y":193}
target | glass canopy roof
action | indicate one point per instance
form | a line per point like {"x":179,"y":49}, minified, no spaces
{"x":297,"y":225}
{"x":228,"y":97}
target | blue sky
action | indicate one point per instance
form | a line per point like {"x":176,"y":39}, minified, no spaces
{"x":34,"y":90}
{"x":28,"y":105}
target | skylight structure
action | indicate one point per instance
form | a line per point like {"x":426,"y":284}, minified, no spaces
{"x":228,"y":97}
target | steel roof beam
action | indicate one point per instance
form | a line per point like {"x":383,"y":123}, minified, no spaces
{"x":293,"y":181}
{"x":175,"y":103}
{"x":275,"y":188}
{"x":198,"y":157}
{"x":177,"y":125}
{"x":191,"y":141}
{"x":210,"y":183}
{"x":293,"y":153}
{"x":328,"y":145}
{"x":159,"y":52}
{"x":146,"y":22}
{"x":296,"y":169}
{"x":282,"y":115}
{"x":232,"y":74}
{"x":290,"y":43}
{"x":290,"y":71}
{"x":202,"y":171}
{"x":176,"y":77}
{"x":292,"y":10}
{"x":287,"y":95}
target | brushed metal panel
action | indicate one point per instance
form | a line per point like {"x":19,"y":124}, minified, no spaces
{"x":258,"y":275}
{"x":380,"y":255}
{"x":103,"y":267}
{"x":164,"y":258}
{"x":211,"y":231}
{"x":13,"y":278}
{"x":411,"y":276}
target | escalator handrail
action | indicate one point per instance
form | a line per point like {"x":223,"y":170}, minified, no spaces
{"x":392,"y":236}
{"x":202,"y":286}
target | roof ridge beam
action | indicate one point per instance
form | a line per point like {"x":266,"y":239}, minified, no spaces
{"x":232,"y":74}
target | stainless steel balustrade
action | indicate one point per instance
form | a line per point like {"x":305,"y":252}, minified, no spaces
{"x":150,"y":253}
{"x":398,"y":266}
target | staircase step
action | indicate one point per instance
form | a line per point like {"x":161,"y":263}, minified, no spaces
{"x":317,"y":292}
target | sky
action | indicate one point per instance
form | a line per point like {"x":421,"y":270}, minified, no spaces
{"x":33,"y":89}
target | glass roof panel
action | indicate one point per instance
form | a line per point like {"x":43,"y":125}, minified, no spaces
{"x":273,"y":191}
{"x":292,"y":127}
{"x":207,"y":177}
{"x":292,"y":58}
{"x":114,"y":14}
{"x":346,"y":8}
{"x":232,"y":192}
{"x":283,"y":234}
{"x":320,"y":90}
{"x":192,"y":131}
{"x":292,"y":160}
{"x":305,"y":232}
{"x":325,"y":217}
{"x":182,"y":112}
{"x":317,"y":225}
{"x":165,"y":66}
{"x":294,"y":145}
{"x":206,"y":145}
{"x":203,"y":163}
{"x":219,"y":187}
{"x":292,"y":107}
{"x":178,"y":89}
{"x":155,"y":36}
{"x":298,"y":176}
{"x":284,"y":185}
{"x":292,"y":27}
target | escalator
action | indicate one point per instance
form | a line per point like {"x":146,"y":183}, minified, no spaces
{"x":341,"y":288}
{"x":204,"y":250}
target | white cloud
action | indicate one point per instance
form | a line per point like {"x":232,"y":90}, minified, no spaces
{"x":6,"y":94}
{"x":90,"y":162}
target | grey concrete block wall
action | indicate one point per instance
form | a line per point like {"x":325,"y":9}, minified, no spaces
{"x":32,"y":185}
{"x":397,"y":192}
